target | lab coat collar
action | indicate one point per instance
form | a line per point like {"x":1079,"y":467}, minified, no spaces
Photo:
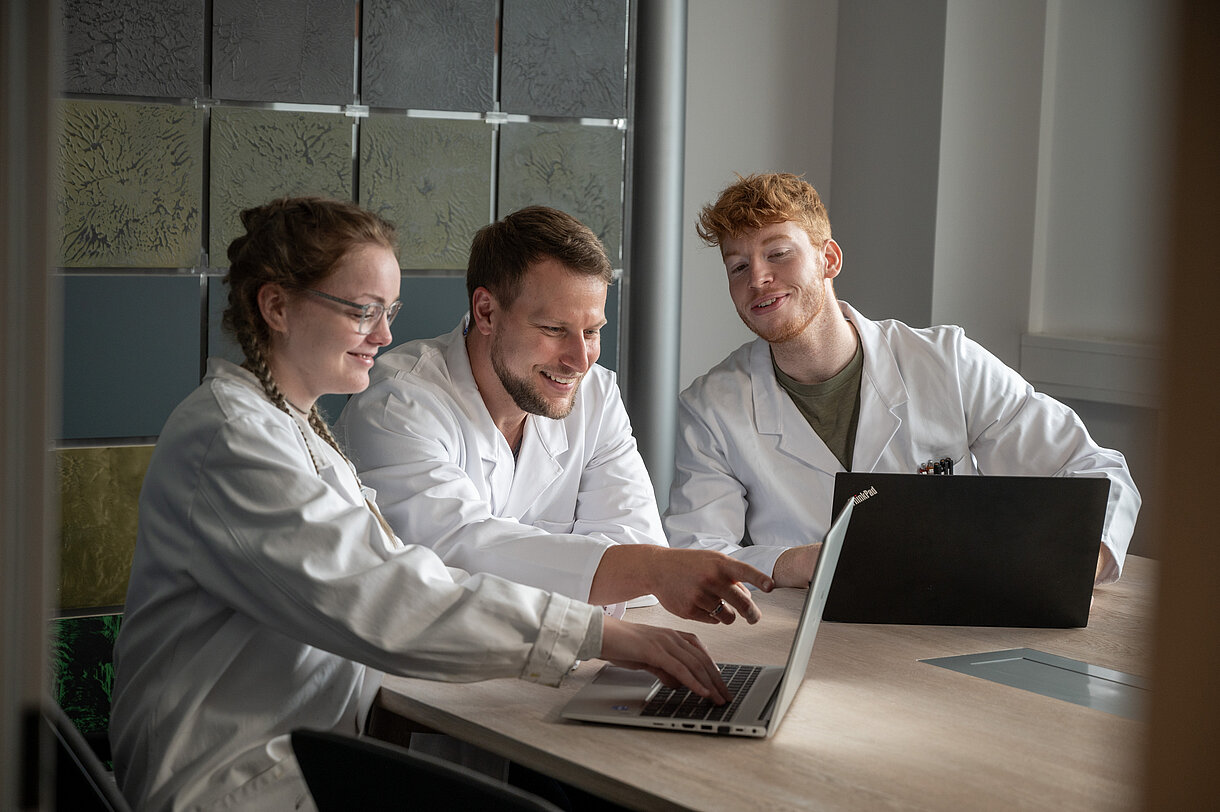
{"x":882,"y":393}
{"x":543,"y":442}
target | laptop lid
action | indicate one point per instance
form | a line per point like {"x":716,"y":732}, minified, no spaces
{"x":619,"y":695}
{"x":968,"y":550}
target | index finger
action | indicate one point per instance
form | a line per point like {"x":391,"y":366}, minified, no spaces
{"x":743,"y":572}
{"x":700,"y":667}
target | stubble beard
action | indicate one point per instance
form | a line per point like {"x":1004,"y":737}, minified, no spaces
{"x":524,"y":392}
{"x":793,"y":327}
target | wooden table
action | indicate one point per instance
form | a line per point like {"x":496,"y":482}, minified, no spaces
{"x":872,"y":727}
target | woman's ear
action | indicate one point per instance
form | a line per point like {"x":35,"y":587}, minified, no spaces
{"x":273,"y":305}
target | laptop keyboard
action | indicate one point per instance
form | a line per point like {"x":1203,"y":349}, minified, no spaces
{"x":682,"y":703}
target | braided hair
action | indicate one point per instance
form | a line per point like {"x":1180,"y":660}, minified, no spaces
{"x":295,"y":242}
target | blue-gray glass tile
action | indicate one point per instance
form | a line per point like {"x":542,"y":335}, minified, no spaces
{"x":284,"y":50}
{"x":429,"y":54}
{"x":131,"y":353}
{"x":564,"y":58}
{"x":134,"y":48}
{"x":609,"y":337}
{"x":129,"y":186}
{"x":578,"y":169}
{"x":260,"y":155}
{"x":431,"y":178}
{"x":431,"y":305}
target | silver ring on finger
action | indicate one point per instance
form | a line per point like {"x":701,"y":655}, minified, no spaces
{"x":719,"y":608}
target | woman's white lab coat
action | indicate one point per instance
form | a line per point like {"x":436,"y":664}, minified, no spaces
{"x":265,"y":596}
{"x":445,"y":476}
{"x":749,"y":467}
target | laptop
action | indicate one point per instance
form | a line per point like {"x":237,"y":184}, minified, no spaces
{"x":968,"y":550}
{"x":761,"y":693}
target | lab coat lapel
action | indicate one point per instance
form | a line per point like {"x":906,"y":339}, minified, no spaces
{"x":775,"y":414}
{"x":537,"y":467}
{"x":883,"y":394}
{"x":495,"y":457}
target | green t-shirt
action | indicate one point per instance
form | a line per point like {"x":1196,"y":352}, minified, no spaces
{"x":831,"y":407}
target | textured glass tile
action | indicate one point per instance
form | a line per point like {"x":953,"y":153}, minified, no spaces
{"x":429,"y":54}
{"x":564,"y":58}
{"x":569,"y":167}
{"x":134,"y":48}
{"x":130,"y":185}
{"x":284,"y":50}
{"x":431,"y":178}
{"x":131,"y":353}
{"x":99,"y":494}
{"x":259,"y":155}
{"x":82,"y":669}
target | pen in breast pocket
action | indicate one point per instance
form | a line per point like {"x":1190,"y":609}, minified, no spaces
{"x":940,"y":467}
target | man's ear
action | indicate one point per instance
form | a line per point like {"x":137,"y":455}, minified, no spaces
{"x":832,"y":254}
{"x":484,"y":310}
{"x":273,"y":304}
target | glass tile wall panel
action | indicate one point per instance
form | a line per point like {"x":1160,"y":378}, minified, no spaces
{"x":82,"y":669}
{"x":429,"y":54}
{"x":284,"y":50}
{"x":131,"y":353}
{"x":565,"y":58}
{"x":130,"y":185}
{"x":99,"y":493}
{"x":134,"y":47}
{"x":259,"y":155}
{"x":431,"y":178}
{"x":569,"y":167}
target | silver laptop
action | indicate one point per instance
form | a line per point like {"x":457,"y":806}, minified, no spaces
{"x":761,"y":693}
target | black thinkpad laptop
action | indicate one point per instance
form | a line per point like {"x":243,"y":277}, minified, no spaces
{"x":968,"y":550}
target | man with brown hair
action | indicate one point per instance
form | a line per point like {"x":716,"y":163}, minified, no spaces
{"x":505,"y":448}
{"x":824,"y":389}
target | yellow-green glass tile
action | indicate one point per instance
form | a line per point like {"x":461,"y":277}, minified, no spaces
{"x":99,"y":506}
{"x":130,"y":185}
{"x":260,"y":155}
{"x":574,"y":168}
{"x":432,"y":178}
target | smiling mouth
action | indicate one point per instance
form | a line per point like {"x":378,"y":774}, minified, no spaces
{"x":765,"y":303}
{"x":563,"y":381}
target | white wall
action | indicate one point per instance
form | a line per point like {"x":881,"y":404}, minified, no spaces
{"x":987,"y":188}
{"x":1002,"y":166}
{"x":759,"y":98}
{"x":1108,"y":167}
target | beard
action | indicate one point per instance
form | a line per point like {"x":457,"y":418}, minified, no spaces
{"x":525,"y":392}
{"x":805,"y":311}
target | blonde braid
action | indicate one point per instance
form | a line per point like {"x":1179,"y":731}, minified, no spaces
{"x":256,"y":363}
{"x":319,"y":424}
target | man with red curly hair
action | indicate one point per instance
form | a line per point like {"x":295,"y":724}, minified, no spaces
{"x":824,"y":389}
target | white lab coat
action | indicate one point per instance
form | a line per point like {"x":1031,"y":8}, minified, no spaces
{"x":445,"y":476}
{"x":749,"y":469}
{"x":265,"y":596}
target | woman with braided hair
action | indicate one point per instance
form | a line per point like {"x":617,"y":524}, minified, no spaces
{"x":266,"y":592}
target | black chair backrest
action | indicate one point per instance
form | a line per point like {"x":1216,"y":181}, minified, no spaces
{"x":82,"y":782}
{"x":345,"y":773}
